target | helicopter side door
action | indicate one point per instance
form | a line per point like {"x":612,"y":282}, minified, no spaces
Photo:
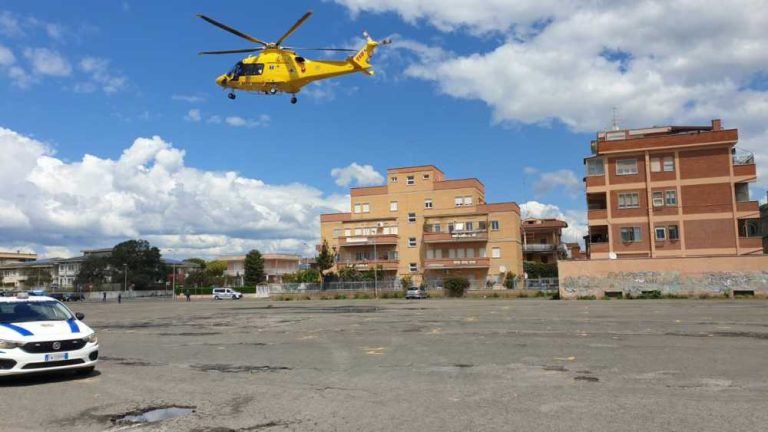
{"x":252,"y":73}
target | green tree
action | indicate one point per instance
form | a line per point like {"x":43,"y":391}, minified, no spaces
{"x":216,"y":268}
{"x":536,"y":269}
{"x":254,"y":268}
{"x":37,"y":277}
{"x":455,"y":286}
{"x":143,"y":262}
{"x":350,"y":274}
{"x":199,"y":261}
{"x":93,"y":271}
{"x":326,"y":258}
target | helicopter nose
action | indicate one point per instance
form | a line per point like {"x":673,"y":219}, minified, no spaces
{"x":222,"y":80}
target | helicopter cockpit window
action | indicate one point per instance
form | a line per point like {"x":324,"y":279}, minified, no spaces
{"x":253,"y":69}
{"x":236,"y":71}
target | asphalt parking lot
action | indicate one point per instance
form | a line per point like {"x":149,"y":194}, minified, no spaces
{"x":429,"y":365}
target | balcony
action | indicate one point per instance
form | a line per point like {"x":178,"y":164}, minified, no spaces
{"x":539,"y":247}
{"x":380,"y":239}
{"x":748,"y":206}
{"x":598,"y":214}
{"x":598,"y":247}
{"x":370,"y":264}
{"x":455,"y":236}
{"x":743,"y":163}
{"x":457,"y":263}
{"x":751,"y":243}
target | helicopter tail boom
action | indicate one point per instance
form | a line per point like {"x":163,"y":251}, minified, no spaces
{"x":361,"y":59}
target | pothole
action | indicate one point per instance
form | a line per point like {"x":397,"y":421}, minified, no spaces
{"x":587,"y":378}
{"x":225,"y":368}
{"x":152,"y":415}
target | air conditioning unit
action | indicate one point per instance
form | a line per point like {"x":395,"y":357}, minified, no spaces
{"x":379,"y":224}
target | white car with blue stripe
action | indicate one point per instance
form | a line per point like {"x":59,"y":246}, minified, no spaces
{"x":40,"y":334}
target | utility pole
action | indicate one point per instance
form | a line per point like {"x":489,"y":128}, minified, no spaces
{"x":375,"y":267}
{"x":125,"y":277}
{"x":173,"y":287}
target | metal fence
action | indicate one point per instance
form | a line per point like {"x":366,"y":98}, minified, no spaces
{"x":542,"y":284}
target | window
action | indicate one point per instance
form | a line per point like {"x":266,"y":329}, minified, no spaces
{"x":347,"y":232}
{"x":626,"y":167}
{"x":495,"y":252}
{"x":413,"y":268}
{"x":336,"y":233}
{"x":469,"y":226}
{"x":433,"y":228}
{"x":661,"y":233}
{"x":629,"y":200}
{"x":494,"y":225}
{"x":481,"y":252}
{"x":411,"y":217}
{"x":393,"y":179}
{"x":411,"y":242}
{"x":674,"y":233}
{"x":595,"y":167}
{"x":425,"y":177}
{"x":458,"y":201}
{"x":393,"y":206}
{"x":671,"y":198}
{"x":358,"y":208}
{"x":630,"y":234}
{"x":366,"y":208}
{"x":655,"y":164}
{"x":468,"y":201}
{"x":658,"y":199}
{"x":428,"y":203}
{"x":410,"y":180}
{"x":253,"y":69}
{"x":481,"y":226}
{"x":669,"y":164}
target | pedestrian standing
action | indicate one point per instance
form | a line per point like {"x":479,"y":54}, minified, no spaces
{"x":186,"y":293}
{"x":119,"y":297}
{"x":103,"y":296}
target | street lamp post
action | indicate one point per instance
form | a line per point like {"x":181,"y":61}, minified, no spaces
{"x":375,"y":269}
{"x":173,"y":286}
{"x":125,"y":277}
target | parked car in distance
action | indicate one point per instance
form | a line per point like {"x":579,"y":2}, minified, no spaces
{"x":226,"y":293}
{"x":74,"y":296}
{"x":58,"y":296}
{"x":38,"y":292}
{"x":416,"y":293}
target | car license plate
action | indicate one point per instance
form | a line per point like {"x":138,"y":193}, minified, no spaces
{"x":56,"y":356}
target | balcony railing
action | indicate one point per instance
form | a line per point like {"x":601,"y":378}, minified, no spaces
{"x":378,"y":239}
{"x":480,"y":262}
{"x":455,"y":236}
{"x":384,"y":264}
{"x":743,"y":157}
{"x":539,"y":247}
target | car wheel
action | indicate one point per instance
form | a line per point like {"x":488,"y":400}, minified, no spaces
{"x":216,"y":298}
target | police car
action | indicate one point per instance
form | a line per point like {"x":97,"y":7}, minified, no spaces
{"x":40,"y":334}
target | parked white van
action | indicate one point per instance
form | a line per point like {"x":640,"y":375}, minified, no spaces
{"x":226,"y":293}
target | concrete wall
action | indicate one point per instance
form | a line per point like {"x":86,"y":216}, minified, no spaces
{"x":689,"y":276}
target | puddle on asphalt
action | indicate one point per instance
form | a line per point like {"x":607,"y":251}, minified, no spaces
{"x":152,"y":415}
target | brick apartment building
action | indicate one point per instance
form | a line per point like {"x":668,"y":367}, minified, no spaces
{"x":671,"y":191}
{"x":425,"y":226}
{"x":542,"y":240}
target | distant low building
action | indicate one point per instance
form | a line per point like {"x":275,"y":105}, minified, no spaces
{"x":275,"y":266}
{"x":764,"y":225}
{"x":542,"y":240}
{"x":16,"y":257}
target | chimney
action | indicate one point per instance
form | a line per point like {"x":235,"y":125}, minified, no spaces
{"x":716,"y":126}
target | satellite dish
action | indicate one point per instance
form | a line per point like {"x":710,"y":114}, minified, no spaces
{"x":612,"y":255}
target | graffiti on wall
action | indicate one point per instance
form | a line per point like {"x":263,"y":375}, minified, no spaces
{"x":636,"y":283}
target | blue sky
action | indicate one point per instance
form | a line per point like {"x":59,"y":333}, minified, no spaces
{"x":494,"y":94}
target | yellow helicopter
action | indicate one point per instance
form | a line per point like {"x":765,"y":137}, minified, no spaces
{"x":278,"y":69}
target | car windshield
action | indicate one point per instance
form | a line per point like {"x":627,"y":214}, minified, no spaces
{"x":16,"y":312}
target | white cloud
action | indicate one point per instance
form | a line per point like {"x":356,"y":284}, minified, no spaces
{"x":236,"y":121}
{"x":547,"y":182}
{"x":148,"y":192}
{"x":193,"y":115}
{"x":659,"y":62}
{"x":188,"y":98}
{"x":361,"y":175}
{"x":10,"y":24}
{"x":6,"y":57}
{"x":576,"y":220}
{"x":47,"y":62}
{"x":100,"y":76}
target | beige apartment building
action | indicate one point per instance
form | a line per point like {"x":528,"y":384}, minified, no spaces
{"x":275,"y":266}
{"x":422,"y":225}
{"x":671,"y":191}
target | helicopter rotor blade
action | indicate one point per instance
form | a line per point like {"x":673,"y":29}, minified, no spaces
{"x":323,"y":49}
{"x":237,"y":51}
{"x":294,"y":27}
{"x":233,"y":31}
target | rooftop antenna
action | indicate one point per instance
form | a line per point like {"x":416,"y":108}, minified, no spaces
{"x":615,"y":119}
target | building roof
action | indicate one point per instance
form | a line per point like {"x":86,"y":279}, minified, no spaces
{"x":414,"y":168}
{"x":543,"y":223}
